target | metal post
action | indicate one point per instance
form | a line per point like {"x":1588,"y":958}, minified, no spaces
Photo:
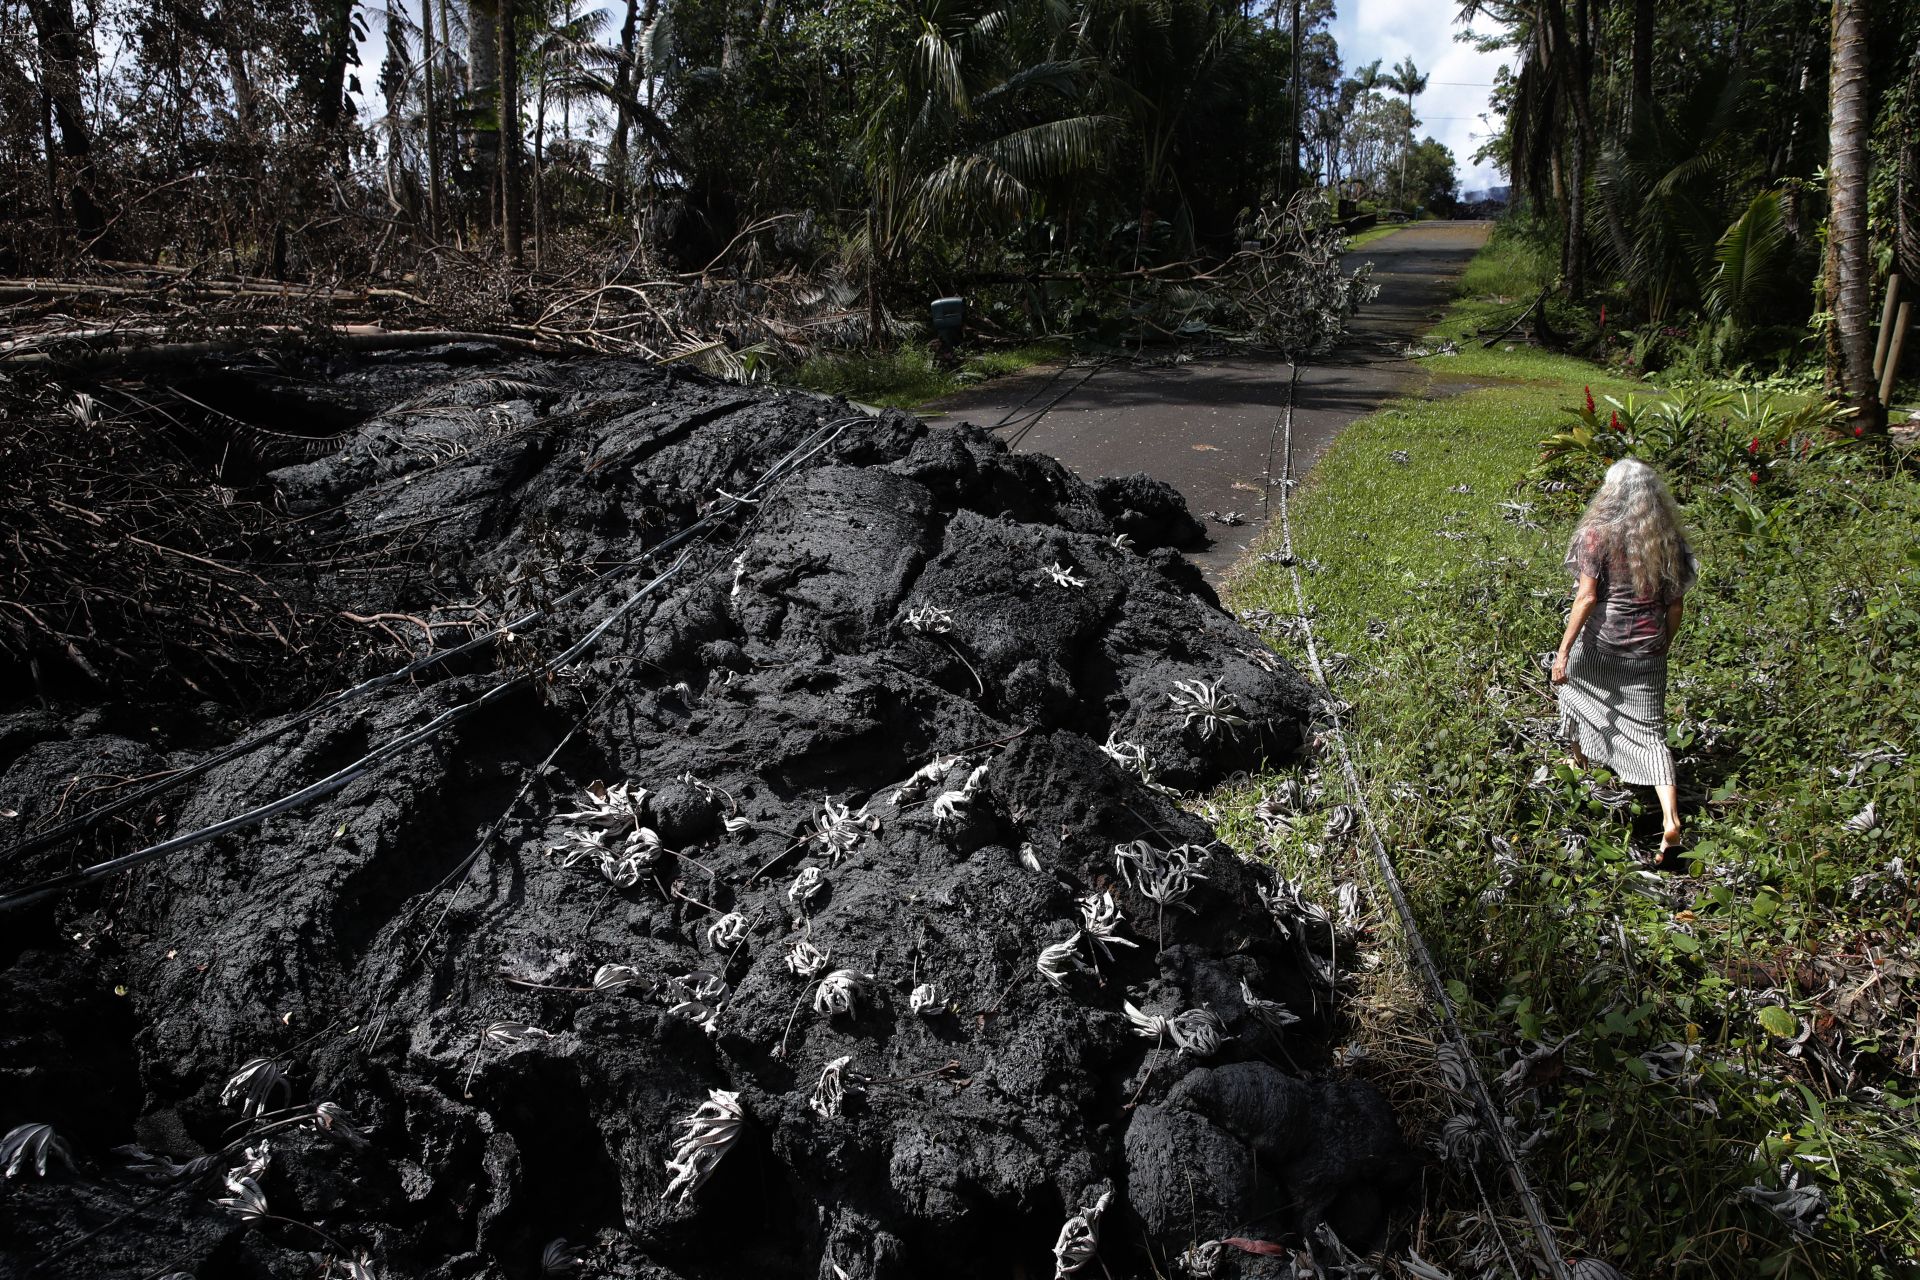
{"x":1893,"y":352}
{"x":1886,"y":325}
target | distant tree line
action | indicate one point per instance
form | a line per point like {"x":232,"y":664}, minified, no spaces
{"x":912,"y":144}
{"x":1744,"y":167}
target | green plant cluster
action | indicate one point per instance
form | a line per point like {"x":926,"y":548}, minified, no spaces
{"x":1699,"y":433}
{"x":1705,"y":1042}
{"x":914,"y":374}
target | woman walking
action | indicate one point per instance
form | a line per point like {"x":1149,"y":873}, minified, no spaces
{"x":1634,"y":567}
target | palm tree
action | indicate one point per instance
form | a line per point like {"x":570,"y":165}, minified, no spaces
{"x":435,"y":206}
{"x":1667,"y":187}
{"x":1849,"y":282}
{"x":1411,"y":81}
{"x":970,"y":128}
{"x":560,"y":56}
{"x":1162,"y":64}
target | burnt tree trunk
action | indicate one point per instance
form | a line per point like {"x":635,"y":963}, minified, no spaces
{"x":435,"y":207}
{"x":1642,"y":60}
{"x":59,"y":40}
{"x":509,"y":110}
{"x":623,"y":70}
{"x":330,"y":84}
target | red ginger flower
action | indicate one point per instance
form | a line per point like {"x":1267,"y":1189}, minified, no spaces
{"x":1589,"y":400}
{"x":1613,"y":420}
{"x":1753,"y":477}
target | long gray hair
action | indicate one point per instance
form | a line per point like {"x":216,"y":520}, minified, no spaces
{"x":1634,"y":522}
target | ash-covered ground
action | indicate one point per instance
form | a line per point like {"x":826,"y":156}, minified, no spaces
{"x":832,"y":914}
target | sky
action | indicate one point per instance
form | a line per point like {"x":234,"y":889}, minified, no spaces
{"x":1461,"y":78}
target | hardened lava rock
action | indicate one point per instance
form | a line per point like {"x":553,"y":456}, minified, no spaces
{"x":628,"y":960}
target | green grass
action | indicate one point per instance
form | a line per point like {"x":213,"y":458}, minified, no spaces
{"x":1801,"y":651}
{"x":1362,"y":239}
{"x":911,"y":375}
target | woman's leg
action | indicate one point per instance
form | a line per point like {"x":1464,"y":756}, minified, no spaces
{"x":1669,"y":813}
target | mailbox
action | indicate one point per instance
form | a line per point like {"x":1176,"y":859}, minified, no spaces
{"x":949,"y":318}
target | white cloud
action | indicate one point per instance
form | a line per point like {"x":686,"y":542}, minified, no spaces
{"x":1461,"y":77}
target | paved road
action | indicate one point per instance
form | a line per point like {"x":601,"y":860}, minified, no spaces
{"x":1206,"y":426}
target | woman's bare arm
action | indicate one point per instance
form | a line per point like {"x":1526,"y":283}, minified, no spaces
{"x":1675,"y":612}
{"x":1584,"y":600}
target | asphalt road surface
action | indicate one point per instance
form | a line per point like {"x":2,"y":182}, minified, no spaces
{"x":1206,"y":426}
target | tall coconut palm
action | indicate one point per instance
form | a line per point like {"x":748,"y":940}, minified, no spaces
{"x":561,"y":53}
{"x":1409,"y":80}
{"x":1849,"y":280}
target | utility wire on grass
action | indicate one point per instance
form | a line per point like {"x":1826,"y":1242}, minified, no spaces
{"x":1450,"y":1024}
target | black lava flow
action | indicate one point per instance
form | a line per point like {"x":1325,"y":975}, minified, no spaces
{"x":828,"y":794}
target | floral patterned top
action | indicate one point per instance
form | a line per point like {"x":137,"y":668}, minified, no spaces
{"x":1623,"y":624}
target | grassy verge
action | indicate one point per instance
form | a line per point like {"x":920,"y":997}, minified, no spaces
{"x":1361,"y":240}
{"x":911,"y":375}
{"x":1688,"y":1050}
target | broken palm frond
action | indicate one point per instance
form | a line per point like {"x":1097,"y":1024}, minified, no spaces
{"x":332,"y":1119}
{"x":922,"y":780}
{"x":1129,"y":755}
{"x":805,"y":960}
{"x":1101,"y":920}
{"x":841,"y":993}
{"x":512,"y":1035}
{"x":1293,"y":915}
{"x":1162,"y":877}
{"x":1206,"y":705}
{"x":1079,"y":1239}
{"x":836,"y":1083}
{"x":728,"y":932}
{"x":808,"y":885}
{"x":949,"y":805}
{"x":698,"y":996}
{"x":244,"y":1199}
{"x":1196,"y":1031}
{"x":30,"y":1146}
{"x":559,"y":1258}
{"x":612,"y":977}
{"x":255,"y":1085}
{"x":928,"y":619}
{"x":709,"y":1133}
{"x":1271,"y":1014}
{"x":838,"y":829}
{"x":1058,"y":961}
{"x":613,"y":809}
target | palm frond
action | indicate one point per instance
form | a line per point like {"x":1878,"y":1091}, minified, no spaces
{"x":937,"y":62}
{"x":1747,"y":257}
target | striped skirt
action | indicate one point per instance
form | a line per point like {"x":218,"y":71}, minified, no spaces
{"x":1615,"y":707}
